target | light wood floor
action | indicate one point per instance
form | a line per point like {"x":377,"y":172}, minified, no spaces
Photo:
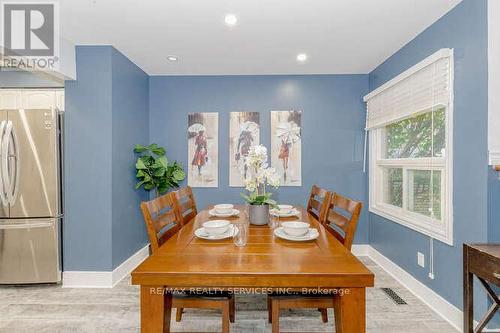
{"x":54,"y":309}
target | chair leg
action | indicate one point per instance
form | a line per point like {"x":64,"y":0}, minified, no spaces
{"x":178,"y":314}
{"x":324,"y":315}
{"x":232,"y":309}
{"x":225,"y":317}
{"x":275,"y":315}
{"x":269,"y":309}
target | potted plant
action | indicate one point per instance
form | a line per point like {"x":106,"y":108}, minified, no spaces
{"x":154,"y":172}
{"x":259,"y":175}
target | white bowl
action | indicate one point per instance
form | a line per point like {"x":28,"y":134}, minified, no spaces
{"x":224,"y":208}
{"x":285,"y":209}
{"x":216,"y":227}
{"x":295,"y":228}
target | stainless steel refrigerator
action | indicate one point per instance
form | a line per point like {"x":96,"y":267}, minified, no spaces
{"x":30,"y":196}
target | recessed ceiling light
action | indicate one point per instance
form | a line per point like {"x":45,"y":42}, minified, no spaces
{"x":172,"y":58}
{"x":230,"y":19}
{"x":301,"y":57}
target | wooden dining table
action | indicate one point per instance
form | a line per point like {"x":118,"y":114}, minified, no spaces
{"x":267,"y":263}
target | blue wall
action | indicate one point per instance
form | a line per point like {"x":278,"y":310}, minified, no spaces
{"x":130,"y":94}
{"x":332,"y":119}
{"x":464,"y":29}
{"x":88,"y":123}
{"x":106,"y":114}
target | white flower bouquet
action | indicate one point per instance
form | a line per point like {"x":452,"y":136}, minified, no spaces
{"x":259,"y":175}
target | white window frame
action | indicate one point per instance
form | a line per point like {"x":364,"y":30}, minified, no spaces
{"x":441,"y":230}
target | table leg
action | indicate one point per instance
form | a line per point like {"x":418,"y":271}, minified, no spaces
{"x":275,"y":304}
{"x":468,"y":293}
{"x":156,"y":309}
{"x":226,"y":317}
{"x":350,"y":311}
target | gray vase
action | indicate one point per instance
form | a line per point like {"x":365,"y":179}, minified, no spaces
{"x":258,"y":214}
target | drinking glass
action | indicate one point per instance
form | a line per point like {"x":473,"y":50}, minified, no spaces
{"x":240,"y":236}
{"x":246,"y":213}
{"x":274,"y":221}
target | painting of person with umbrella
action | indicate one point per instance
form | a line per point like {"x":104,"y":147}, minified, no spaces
{"x":202,"y":149}
{"x":248,"y":130}
{"x":201,"y":153}
{"x":244,"y":132}
{"x":286,"y":139}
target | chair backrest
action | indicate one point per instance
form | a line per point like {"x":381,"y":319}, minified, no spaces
{"x":318,"y":201}
{"x":162,"y":221}
{"x":341,"y":218}
{"x":185,"y":204}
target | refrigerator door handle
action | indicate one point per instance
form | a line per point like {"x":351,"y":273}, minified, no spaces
{"x":13,"y":143}
{"x":3,"y":156}
{"x":6,"y":173}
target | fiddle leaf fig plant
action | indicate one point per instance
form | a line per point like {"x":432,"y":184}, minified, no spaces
{"x":154,"y":171}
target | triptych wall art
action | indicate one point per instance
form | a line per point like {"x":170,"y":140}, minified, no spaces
{"x":244,"y":132}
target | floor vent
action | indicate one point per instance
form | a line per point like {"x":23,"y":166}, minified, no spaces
{"x":394,"y":296}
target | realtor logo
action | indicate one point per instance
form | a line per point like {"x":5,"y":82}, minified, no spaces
{"x":30,"y":34}
{"x":29,"y":29}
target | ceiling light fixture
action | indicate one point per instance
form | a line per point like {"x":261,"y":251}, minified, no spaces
{"x":230,"y":19}
{"x":301,"y":57}
{"x":172,"y":58}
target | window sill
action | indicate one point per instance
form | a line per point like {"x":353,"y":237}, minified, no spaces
{"x":413,"y":223}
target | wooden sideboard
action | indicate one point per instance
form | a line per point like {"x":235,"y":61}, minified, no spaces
{"x":483,"y":261}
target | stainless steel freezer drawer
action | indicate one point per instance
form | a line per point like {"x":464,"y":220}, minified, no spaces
{"x":29,"y":251}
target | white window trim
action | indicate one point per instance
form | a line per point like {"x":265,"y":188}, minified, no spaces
{"x":420,"y":223}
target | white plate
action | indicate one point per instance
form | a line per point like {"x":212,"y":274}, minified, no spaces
{"x":213,"y":213}
{"x":201,"y":233}
{"x":294,"y":212}
{"x":310,"y":235}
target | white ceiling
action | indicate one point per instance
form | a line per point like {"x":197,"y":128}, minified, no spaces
{"x":339,"y":36}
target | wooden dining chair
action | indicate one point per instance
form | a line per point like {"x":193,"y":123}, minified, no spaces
{"x":163,"y":220}
{"x":340,"y":218}
{"x":317,"y":203}
{"x":185,"y":204}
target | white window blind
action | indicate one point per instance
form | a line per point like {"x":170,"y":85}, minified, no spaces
{"x":419,"y":89}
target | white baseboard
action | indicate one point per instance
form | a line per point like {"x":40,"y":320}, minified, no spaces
{"x":360,"y":250}
{"x":129,"y":265}
{"x":442,"y":307}
{"x":88,"y":279}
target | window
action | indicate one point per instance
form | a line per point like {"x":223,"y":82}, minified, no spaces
{"x":409,"y":121}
